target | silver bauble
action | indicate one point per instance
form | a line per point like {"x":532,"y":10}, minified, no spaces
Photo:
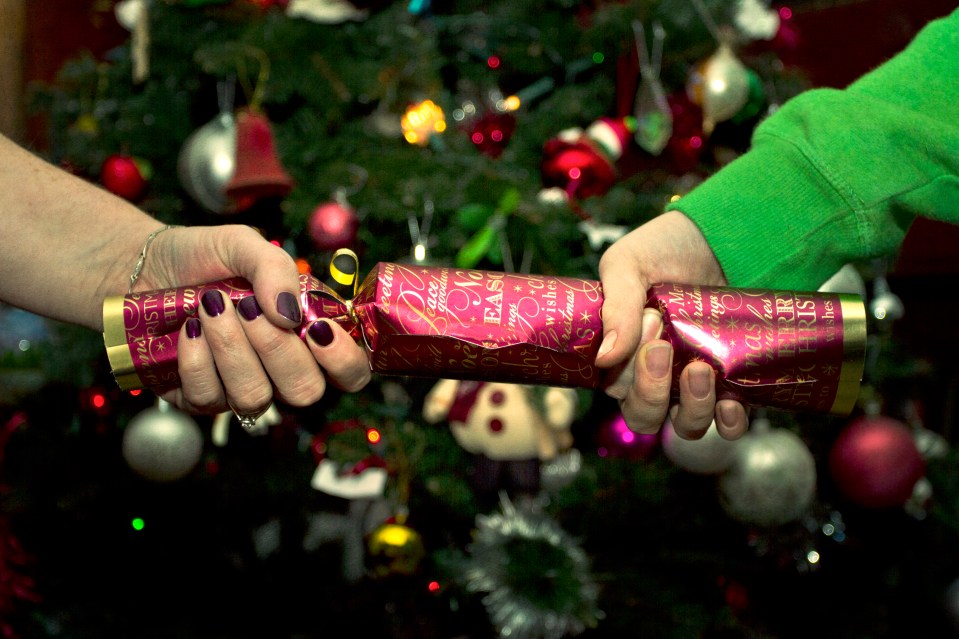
{"x":707,"y":456}
{"x":207,"y":161}
{"x":162,"y":444}
{"x":721,"y":87}
{"x":771,"y":480}
{"x":885,"y":305}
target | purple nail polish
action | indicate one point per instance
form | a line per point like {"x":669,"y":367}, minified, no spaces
{"x":213,"y":303}
{"x":288,"y":307}
{"x":321,"y":333}
{"x":193,"y":328}
{"x":249,"y":309}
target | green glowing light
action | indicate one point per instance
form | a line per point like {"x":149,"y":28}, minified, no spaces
{"x":598,"y":57}
{"x":137,"y":523}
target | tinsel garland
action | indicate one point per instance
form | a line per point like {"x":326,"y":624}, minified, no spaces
{"x":536,"y":578}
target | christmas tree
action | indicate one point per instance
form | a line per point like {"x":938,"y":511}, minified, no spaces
{"x":518,"y":137}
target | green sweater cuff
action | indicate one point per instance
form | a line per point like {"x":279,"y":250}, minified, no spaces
{"x":773,"y":220}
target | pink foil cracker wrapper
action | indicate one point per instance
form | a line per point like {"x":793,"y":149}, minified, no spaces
{"x":482,"y":325}
{"x":781,"y":349}
{"x":799,"y":351}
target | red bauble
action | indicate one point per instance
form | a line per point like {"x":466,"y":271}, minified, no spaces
{"x":577,"y":167}
{"x":583,"y":163}
{"x":333,"y":225}
{"x":875,"y":462}
{"x":492,"y":132}
{"x":686,"y":145}
{"x":125,"y":175}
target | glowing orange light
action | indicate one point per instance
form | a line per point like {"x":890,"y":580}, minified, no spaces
{"x":373,"y":436}
{"x":303,"y":267}
{"x":422,"y":120}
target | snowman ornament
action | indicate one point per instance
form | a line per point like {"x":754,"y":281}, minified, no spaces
{"x":510,"y":429}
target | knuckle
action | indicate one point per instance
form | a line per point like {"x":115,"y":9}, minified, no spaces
{"x":654,"y":395}
{"x":641,"y":419}
{"x":358,"y":382}
{"x":192,"y":370}
{"x":225,"y":338}
{"x":200,"y":386}
{"x":689,"y":426}
{"x":203,"y":397}
{"x":304,"y":391}
{"x":250,"y":399}
{"x":273,"y":345}
{"x":699,"y":412}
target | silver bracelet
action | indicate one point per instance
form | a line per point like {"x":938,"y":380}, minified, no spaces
{"x":143,"y":254}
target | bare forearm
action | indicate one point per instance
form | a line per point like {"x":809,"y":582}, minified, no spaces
{"x":67,"y":243}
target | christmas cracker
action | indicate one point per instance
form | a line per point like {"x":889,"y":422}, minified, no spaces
{"x":782,"y":349}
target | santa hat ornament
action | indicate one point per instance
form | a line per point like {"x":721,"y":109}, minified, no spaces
{"x":612,"y":135}
{"x":578,"y":164}
{"x":258,"y":172}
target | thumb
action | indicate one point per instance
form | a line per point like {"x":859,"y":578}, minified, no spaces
{"x":624,"y":293}
{"x":627,"y":324}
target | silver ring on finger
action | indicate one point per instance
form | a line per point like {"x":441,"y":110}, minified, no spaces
{"x":248,"y":420}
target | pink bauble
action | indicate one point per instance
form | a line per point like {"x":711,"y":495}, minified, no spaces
{"x":333,"y":225}
{"x":615,"y":439}
{"x":875,"y":462}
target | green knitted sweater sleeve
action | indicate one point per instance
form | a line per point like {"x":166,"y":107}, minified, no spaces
{"x":839,"y":175}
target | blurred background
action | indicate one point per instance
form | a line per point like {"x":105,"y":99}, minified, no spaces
{"x":443,"y":133}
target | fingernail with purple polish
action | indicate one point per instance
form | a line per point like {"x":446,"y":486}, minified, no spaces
{"x":288,"y":307}
{"x":193,"y":328}
{"x":249,"y":309}
{"x":321,"y":333}
{"x":213,"y":303}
